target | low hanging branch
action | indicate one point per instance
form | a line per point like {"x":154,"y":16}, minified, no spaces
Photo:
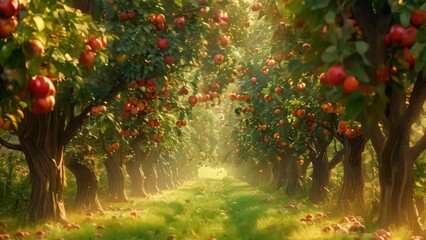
{"x":416,"y":101}
{"x":12,"y":146}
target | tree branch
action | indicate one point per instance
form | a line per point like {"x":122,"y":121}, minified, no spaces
{"x":418,"y":148}
{"x":13,"y":146}
{"x":77,"y":121}
{"x":416,"y":101}
{"x":336,"y":159}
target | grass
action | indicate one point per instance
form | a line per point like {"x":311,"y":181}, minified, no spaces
{"x":208,"y":208}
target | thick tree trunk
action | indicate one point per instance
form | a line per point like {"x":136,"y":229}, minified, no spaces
{"x":277,"y":174}
{"x":87,"y":185}
{"x":137,"y":188}
{"x":40,"y":142}
{"x":352,"y":195}
{"x":116,"y":188}
{"x":149,"y":169}
{"x":292,"y":175}
{"x":396,"y":180}
{"x":320,"y":177}
{"x":161,"y":179}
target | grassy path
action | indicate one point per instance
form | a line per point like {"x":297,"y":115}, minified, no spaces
{"x":202,"y":209}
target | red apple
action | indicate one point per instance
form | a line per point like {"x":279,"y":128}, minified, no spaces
{"x":408,"y":57}
{"x":396,"y":32}
{"x":160,"y":26}
{"x":215,"y":87}
{"x":192,"y":100}
{"x":168,"y":59}
{"x":350,"y":84}
{"x":417,"y":18}
{"x":350,"y":133}
{"x":219,"y":58}
{"x":150,"y":84}
{"x":95,"y":44}
{"x":87,"y":58}
{"x":180,"y":22}
{"x":409,"y":37}
{"x":184,"y":91}
{"x":37,"y":45}
{"x":324,"y":80}
{"x":7,"y":26}
{"x":336,"y":75}
{"x":43,"y":105}
{"x":256,"y":6}
{"x":162,"y":43}
{"x":41,"y":87}
{"x":9,"y":8}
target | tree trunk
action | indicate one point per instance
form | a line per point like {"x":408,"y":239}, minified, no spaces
{"x":292,"y":175}
{"x":396,"y":180}
{"x":320,"y":177}
{"x":175,"y":173}
{"x":352,"y":195}
{"x":40,"y":141}
{"x":149,"y":168}
{"x":277,"y":174}
{"x":87,"y":185}
{"x":137,"y":188}
{"x":169,"y":176}
{"x":116,"y":189}
{"x":161,"y":173}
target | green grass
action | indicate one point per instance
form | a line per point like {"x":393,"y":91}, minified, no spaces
{"x":221,"y":209}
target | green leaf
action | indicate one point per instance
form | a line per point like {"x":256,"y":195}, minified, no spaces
{"x":330,"y":54}
{"x":178,"y":3}
{"x":330,"y":17}
{"x":361,"y":47}
{"x":355,"y":105}
{"x":39,"y":23}
{"x":405,"y":18}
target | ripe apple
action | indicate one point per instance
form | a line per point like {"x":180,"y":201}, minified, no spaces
{"x":306,"y":46}
{"x":41,"y":87}
{"x":256,"y":6}
{"x":123,"y":16}
{"x":162,"y":43}
{"x":168,"y":59}
{"x":7,"y":26}
{"x":408,"y":57}
{"x":184,"y":91}
{"x":396,"y":32}
{"x":409,"y":37}
{"x":350,"y":84}
{"x":336,"y":75}
{"x":180,"y":22}
{"x":350,"y":133}
{"x":192,"y":100}
{"x":160,"y":26}
{"x":215,"y":87}
{"x":131,"y":14}
{"x":150,"y":84}
{"x":87,"y":58}
{"x":9,"y":8}
{"x":160,"y":18}
{"x":95,"y":44}
{"x":43,"y":105}
{"x":37,"y":45}
{"x":219,"y":58}
{"x":417,"y":18}
{"x":224,"y":41}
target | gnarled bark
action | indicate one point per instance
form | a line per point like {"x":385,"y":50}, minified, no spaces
{"x":116,"y":189}
{"x":86,"y":197}
{"x":292,"y":175}
{"x":352,"y":194}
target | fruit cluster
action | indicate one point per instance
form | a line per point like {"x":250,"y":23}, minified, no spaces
{"x":8,"y":19}
{"x":130,"y":15}
{"x":158,"y":20}
{"x":43,"y":92}
{"x":337,"y":76}
{"x":94,"y":44}
{"x":406,"y":36}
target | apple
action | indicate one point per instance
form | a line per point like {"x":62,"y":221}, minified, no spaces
{"x":38,"y":46}
{"x":7,"y":26}
{"x":95,"y":44}
{"x":131,"y":14}
{"x":160,"y":18}
{"x":162,"y":43}
{"x":159,"y":26}
{"x":180,"y":22}
{"x":324,"y":80}
{"x":336,"y":75}
{"x":350,"y":84}
{"x":350,"y":133}
{"x":87,"y":58}
{"x":41,"y":87}
{"x":123,"y":16}
{"x":9,"y":8}
{"x":219,"y":58}
{"x":409,"y":37}
{"x":408,"y":57}
{"x":388,"y":40}
{"x":256,"y":6}
{"x":224,"y":41}
{"x":184,"y":91}
{"x":417,"y":18}
{"x":43,"y":105}
{"x":215,"y":87}
{"x":192,"y":100}
{"x":168,"y":59}
{"x":396,"y":32}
